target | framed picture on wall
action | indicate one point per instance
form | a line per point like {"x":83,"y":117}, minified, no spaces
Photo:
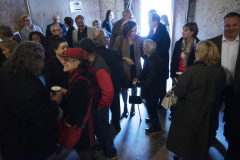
{"x":75,"y":6}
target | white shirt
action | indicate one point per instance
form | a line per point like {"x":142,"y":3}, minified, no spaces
{"x":154,"y":30}
{"x":26,"y":31}
{"x":229,"y":58}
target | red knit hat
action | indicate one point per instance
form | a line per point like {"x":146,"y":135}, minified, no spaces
{"x":73,"y":53}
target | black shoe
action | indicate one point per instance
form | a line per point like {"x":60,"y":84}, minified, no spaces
{"x":151,"y":129}
{"x":117,"y":126}
{"x":132,"y":114}
{"x":148,"y":120}
{"x":125,"y":114}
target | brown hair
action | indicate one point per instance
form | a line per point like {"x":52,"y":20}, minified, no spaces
{"x":127,"y":27}
{"x":24,"y":16}
{"x":78,"y":17}
{"x":192,"y":27}
{"x":207,"y":53}
{"x":107,"y":15}
{"x":9,"y":44}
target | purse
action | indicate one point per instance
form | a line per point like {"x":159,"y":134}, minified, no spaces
{"x":69,"y":136}
{"x":170,"y":99}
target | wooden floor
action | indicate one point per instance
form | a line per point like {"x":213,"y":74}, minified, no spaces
{"x":133,"y":143}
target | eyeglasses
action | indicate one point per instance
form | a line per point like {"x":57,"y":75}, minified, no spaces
{"x":55,"y":19}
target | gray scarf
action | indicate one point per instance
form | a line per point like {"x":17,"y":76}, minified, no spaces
{"x":186,"y":49}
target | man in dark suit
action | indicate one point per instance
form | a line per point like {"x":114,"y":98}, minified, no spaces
{"x":159,"y":34}
{"x":228,"y":46}
{"x":55,"y":21}
{"x":116,"y":69}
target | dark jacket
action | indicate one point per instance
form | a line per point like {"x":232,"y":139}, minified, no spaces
{"x":218,"y":41}
{"x":70,"y":31}
{"x":162,"y":39}
{"x":150,"y":78}
{"x":54,"y":75}
{"x":176,"y":57}
{"x":104,"y":81}
{"x":108,"y":27}
{"x":28,"y":118}
{"x":116,"y":31}
{"x":49,"y":33}
{"x":77,"y":104}
{"x":49,"y":53}
{"x":191,"y":129}
{"x":114,"y":64}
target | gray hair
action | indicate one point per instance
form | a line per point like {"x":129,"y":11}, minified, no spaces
{"x":52,"y":26}
{"x":126,"y":12}
{"x":150,"y":46}
{"x":78,"y":17}
{"x":98,"y":37}
{"x":96,"y":21}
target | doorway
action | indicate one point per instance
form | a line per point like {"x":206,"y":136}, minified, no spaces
{"x":163,"y":7}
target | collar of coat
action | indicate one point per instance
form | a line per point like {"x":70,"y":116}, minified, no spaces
{"x":75,"y":74}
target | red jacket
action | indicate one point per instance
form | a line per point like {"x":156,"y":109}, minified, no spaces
{"x":104,"y":81}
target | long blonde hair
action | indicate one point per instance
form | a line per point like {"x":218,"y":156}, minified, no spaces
{"x":207,"y":53}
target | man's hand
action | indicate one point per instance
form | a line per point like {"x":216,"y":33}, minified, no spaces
{"x":134,"y":81}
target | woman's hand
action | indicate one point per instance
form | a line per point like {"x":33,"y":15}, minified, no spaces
{"x":57,"y":97}
{"x":176,"y":81}
{"x":64,"y":90}
{"x":129,"y":61}
{"x":134,"y":81}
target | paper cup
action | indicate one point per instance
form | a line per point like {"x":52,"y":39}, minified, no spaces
{"x":55,"y":89}
{"x":179,"y":73}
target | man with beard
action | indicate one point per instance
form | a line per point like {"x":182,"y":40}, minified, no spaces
{"x":83,"y":30}
{"x":55,"y":21}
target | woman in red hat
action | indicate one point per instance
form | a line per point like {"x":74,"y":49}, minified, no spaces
{"x":78,"y":99}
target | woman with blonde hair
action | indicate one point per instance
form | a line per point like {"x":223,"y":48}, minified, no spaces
{"x":197,"y":90}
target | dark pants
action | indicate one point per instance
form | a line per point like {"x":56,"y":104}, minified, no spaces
{"x":233,"y":149}
{"x":152,"y":108}
{"x":225,"y":96}
{"x":85,"y":155}
{"x":102,"y":130}
{"x":115,"y":108}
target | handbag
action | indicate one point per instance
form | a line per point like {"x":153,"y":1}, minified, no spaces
{"x":170,"y":99}
{"x":69,"y":136}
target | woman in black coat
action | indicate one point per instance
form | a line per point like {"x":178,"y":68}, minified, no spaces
{"x":197,"y":90}
{"x":53,"y":72}
{"x":39,"y":38}
{"x":183,"y":54}
{"x":28,"y":115}
{"x":78,"y":97}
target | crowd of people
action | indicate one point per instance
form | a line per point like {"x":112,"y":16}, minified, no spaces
{"x":93,"y":65}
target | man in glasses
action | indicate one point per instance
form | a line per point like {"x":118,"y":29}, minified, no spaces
{"x":55,"y":21}
{"x":57,"y":30}
{"x":28,"y":28}
{"x":116,"y":30}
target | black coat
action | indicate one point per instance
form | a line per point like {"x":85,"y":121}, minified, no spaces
{"x":69,"y":32}
{"x":191,"y":129}
{"x":28,"y":118}
{"x":176,"y":57}
{"x":162,"y":39}
{"x":77,"y":103}
{"x":218,"y":41}
{"x":150,"y":78}
{"x":54,"y":75}
{"x":114,"y":64}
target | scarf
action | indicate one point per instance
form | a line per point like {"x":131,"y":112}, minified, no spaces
{"x":186,"y":49}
